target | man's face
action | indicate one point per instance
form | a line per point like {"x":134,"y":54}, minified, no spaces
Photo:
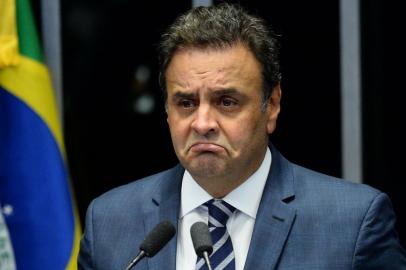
{"x":214,"y":112}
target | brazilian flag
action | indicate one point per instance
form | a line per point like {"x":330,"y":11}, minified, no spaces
{"x":35,"y":196}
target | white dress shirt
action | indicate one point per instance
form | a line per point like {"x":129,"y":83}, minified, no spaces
{"x":245,"y":198}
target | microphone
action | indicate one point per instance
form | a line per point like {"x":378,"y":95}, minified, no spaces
{"x":154,"y":241}
{"x":202,"y":241}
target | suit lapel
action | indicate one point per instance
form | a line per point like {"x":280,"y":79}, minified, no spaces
{"x":269,"y":236}
{"x":165,"y":206}
{"x":274,"y":218}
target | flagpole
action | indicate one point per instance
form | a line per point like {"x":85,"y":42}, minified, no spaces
{"x":351,"y":96}
{"x":52,"y":47}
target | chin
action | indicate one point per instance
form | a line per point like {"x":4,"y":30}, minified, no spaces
{"x":204,"y":167}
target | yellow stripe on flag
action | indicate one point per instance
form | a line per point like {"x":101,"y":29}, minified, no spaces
{"x":30,"y":82}
{"x":76,"y":244}
{"x":8,"y":34}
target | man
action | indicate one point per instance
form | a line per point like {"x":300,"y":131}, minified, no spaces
{"x":220,"y":74}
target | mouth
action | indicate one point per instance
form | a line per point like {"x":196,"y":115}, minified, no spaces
{"x":200,"y":147}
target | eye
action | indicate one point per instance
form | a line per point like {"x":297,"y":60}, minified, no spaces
{"x":228,"y":102}
{"x":186,"y":103}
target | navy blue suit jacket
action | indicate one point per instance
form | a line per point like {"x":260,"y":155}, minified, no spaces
{"x":306,"y":220}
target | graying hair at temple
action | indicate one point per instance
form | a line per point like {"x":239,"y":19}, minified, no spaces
{"x":220,"y":27}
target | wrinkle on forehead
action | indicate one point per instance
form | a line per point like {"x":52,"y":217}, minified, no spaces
{"x":195,"y":68}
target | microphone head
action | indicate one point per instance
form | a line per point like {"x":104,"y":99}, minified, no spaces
{"x":157,"y":238}
{"x":201,"y":238}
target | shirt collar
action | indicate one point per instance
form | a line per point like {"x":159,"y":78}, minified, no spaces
{"x":245,"y":198}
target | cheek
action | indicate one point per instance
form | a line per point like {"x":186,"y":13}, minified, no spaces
{"x":244,"y":132}
{"x":238,"y":133}
{"x":179,"y":131}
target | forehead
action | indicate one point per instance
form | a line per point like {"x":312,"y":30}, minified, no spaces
{"x":231,"y":67}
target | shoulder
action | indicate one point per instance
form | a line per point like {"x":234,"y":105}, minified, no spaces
{"x":311,"y":180}
{"x":139,"y":191}
{"x":309,"y":185}
{"x":323,"y":194}
{"x":326,"y":187}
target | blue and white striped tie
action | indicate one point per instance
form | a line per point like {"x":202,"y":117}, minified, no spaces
{"x":222,"y":257}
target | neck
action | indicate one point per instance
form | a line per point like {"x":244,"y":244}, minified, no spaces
{"x":218,"y":188}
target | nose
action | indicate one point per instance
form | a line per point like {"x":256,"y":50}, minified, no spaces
{"x":204,"y":122}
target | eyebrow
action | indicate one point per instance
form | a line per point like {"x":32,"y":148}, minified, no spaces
{"x":181,"y":95}
{"x":219,"y":92}
{"x":227,"y":91}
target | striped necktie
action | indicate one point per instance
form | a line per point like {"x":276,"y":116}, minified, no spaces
{"x":222,"y":257}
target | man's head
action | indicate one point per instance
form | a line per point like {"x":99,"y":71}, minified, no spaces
{"x":218,"y":114}
{"x":220,"y":27}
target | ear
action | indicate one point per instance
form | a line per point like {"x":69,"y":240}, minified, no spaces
{"x":166,"y":111}
{"x":274,"y":107}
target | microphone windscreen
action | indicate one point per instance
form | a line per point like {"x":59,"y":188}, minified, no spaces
{"x":157,"y":238}
{"x":201,"y":238}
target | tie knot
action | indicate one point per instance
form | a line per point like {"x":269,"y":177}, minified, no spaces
{"x":219,"y":212}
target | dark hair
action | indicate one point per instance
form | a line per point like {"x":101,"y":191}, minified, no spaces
{"x":222,"y":26}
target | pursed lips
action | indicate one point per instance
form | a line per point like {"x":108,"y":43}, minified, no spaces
{"x":206,"y":147}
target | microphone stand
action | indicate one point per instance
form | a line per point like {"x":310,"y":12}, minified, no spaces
{"x":136,"y":260}
{"x":206,"y":259}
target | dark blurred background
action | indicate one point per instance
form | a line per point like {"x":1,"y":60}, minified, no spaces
{"x":114,"y":120}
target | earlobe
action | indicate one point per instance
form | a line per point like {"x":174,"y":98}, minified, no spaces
{"x":166,"y":111}
{"x":274,"y":108}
